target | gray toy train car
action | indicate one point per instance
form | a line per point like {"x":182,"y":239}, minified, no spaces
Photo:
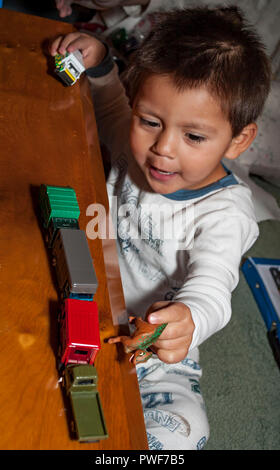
{"x":75,"y":272}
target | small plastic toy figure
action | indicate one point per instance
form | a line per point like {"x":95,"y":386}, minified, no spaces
{"x":69,"y":67}
{"x":142,"y":338}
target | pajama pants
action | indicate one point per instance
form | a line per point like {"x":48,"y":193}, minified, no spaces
{"x":173,"y":406}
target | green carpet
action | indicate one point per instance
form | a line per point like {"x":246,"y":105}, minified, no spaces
{"x":241,"y":380}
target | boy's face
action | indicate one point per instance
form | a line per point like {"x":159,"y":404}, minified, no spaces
{"x":178,"y":138}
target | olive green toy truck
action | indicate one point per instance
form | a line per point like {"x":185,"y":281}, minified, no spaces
{"x":80,"y":382}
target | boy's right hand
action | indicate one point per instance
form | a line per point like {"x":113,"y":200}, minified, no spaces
{"x":93,"y":51}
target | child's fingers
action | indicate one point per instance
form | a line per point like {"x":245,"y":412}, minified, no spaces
{"x":173,"y":356}
{"x":65,"y":11}
{"x":179,"y":321}
{"x":64,"y":7}
{"x":66,"y":41}
{"x":53,"y":48}
{"x":81,"y":42}
{"x":172,"y":350}
{"x":93,"y":51}
{"x":173,"y":343}
{"x":180,"y":333}
{"x":173,"y":312}
{"x":60,"y":44}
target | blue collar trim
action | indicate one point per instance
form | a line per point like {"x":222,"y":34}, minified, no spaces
{"x":185,"y":194}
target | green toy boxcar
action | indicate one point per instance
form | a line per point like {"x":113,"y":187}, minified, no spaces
{"x":59,"y":209}
{"x":57,"y":201}
{"x":80,"y":382}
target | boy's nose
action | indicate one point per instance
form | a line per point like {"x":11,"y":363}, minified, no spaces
{"x":164,"y":144}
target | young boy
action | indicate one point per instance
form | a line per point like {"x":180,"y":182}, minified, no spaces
{"x":196,"y":88}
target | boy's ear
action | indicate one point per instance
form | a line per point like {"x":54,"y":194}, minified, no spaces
{"x":242,"y":141}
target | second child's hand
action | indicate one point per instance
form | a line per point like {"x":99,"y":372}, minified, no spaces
{"x":93,"y":51}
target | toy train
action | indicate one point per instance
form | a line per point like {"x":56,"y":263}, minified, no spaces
{"x":69,"y":67}
{"x":79,"y":338}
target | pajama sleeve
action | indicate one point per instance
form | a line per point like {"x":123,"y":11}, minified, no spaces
{"x":222,"y":236}
{"x":111,"y":105}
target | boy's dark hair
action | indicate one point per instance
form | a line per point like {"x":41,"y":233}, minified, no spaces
{"x":207,"y":47}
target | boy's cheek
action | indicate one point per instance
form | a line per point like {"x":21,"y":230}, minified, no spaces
{"x":137,"y":148}
{"x":133,"y":139}
{"x":140,"y":140}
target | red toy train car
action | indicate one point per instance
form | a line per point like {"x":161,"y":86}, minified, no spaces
{"x":79,"y":332}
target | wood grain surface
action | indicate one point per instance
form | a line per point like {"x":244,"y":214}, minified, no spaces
{"x":48,"y":135}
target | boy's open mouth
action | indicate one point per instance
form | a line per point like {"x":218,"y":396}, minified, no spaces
{"x":160,"y":174}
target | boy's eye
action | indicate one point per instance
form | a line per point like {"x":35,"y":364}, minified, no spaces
{"x":147,"y":122}
{"x":197,"y":139}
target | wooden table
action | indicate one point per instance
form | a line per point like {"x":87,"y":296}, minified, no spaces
{"x":48,"y":135}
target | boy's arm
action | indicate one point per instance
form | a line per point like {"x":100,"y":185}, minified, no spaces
{"x":213,"y":273}
{"x":110,"y":102}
